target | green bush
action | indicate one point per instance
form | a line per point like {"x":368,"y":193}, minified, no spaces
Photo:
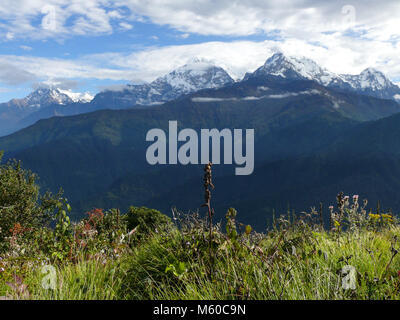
{"x":146,"y":221}
{"x":101,"y":231}
{"x":22,"y":209}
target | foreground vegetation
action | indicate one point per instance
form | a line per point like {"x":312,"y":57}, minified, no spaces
{"x":143,"y":254}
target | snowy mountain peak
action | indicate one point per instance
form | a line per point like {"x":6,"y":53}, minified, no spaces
{"x":77,"y":96}
{"x":302,"y":65}
{"x":195,"y":75}
{"x":293,"y":68}
{"x":370,"y":81}
{"x":45,"y":96}
{"x":371,"y":71}
{"x":374,"y":78}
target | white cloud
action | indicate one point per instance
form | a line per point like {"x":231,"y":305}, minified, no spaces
{"x":292,"y":94}
{"x":253,"y":98}
{"x":26,"y":48}
{"x":9,"y":36}
{"x":302,"y":19}
{"x":19,"y":69}
{"x":56,"y":18}
{"x":60,"y":83}
{"x":237,"y":57}
{"x":14,"y":74}
{"x":344,"y":39}
{"x":211,"y":99}
{"x":125,"y":26}
{"x":245,"y":17}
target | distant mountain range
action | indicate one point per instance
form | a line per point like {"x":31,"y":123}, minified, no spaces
{"x":316,"y":133}
{"x":311,"y":141}
{"x":369,"y":82}
{"x":196,"y":75}
{"x":43,"y":97}
{"x":13,"y":114}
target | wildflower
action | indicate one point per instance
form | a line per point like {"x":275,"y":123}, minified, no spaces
{"x":387,"y":217}
{"x":17,"y":229}
{"x":374,"y":218}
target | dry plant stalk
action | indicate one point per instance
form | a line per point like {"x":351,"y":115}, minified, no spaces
{"x":207,"y":197}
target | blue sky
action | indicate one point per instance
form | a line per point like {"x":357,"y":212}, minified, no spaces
{"x":95,"y":44}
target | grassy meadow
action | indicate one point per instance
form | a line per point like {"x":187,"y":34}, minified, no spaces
{"x":143,"y":254}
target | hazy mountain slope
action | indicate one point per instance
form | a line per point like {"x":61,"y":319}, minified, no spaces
{"x":55,"y":111}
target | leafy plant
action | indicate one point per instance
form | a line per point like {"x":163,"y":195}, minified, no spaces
{"x":145,"y":221}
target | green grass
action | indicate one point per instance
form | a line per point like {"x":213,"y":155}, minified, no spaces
{"x":310,"y":271}
{"x":295,"y":261}
{"x":85,"y":280}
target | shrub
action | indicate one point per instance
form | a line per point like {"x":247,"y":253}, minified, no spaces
{"x":145,"y":220}
{"x":101,"y":232}
{"x":22,"y":209}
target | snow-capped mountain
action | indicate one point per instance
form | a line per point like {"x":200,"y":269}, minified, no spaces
{"x":369,"y":82}
{"x":196,"y":75}
{"x":43,"y":97}
{"x":83,"y":97}
{"x":373,"y":82}
{"x":41,"y":103}
{"x":293,"y":68}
